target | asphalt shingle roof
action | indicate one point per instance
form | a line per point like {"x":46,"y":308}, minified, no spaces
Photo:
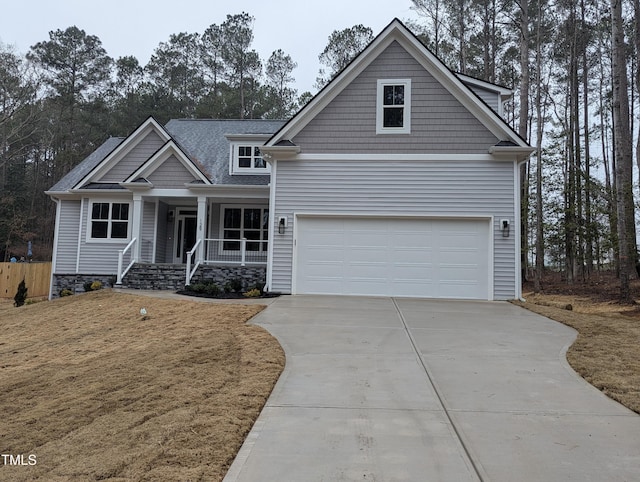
{"x":86,"y":166}
{"x":203,"y":140}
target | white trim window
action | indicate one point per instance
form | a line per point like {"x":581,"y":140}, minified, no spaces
{"x":247,"y":159}
{"x":250,"y":222}
{"x":393,"y":112}
{"x":109,"y":220}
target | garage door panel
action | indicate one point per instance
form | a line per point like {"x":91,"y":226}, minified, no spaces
{"x":393,"y":257}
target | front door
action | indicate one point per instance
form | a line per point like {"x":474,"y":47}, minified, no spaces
{"x":185,"y":234}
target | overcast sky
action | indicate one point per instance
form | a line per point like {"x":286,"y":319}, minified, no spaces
{"x":135,"y":27}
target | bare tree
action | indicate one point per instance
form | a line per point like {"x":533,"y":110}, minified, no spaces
{"x":623,"y":155}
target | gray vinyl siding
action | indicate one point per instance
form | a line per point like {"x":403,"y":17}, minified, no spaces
{"x":409,"y":188}
{"x":439,"y":122}
{"x":67,"y":237}
{"x":148,"y":231}
{"x":98,"y":257}
{"x":162,"y":235}
{"x":135,"y":158}
{"x":171,"y":174}
{"x":492,"y":99}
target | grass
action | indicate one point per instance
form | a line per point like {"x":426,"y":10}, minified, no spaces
{"x":607,"y":350}
{"x":97,"y":391}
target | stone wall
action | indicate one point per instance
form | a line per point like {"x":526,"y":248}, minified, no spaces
{"x":220,"y":275}
{"x":143,"y":276}
{"x":75,"y":282}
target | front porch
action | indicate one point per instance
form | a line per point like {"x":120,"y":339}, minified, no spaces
{"x":196,"y":235}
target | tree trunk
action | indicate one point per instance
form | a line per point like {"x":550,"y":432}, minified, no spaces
{"x":523,"y":129}
{"x":539,"y":132}
{"x":623,"y":155}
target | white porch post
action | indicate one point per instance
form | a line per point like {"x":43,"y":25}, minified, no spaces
{"x":136,"y":227}
{"x":202,"y":223}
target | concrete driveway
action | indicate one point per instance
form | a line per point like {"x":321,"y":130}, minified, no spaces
{"x":381,"y":389}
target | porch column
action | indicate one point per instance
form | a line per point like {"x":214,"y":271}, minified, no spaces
{"x":136,"y":226}
{"x":202,"y":224}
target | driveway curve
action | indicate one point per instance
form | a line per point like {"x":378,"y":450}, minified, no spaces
{"x":391,"y":389}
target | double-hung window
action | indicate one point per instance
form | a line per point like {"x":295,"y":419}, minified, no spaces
{"x":109,"y":220}
{"x":393,"y":114}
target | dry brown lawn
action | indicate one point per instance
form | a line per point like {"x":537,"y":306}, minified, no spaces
{"x":96,"y":391}
{"x":607,"y":350}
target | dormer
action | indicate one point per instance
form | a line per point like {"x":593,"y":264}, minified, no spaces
{"x":245,"y":157}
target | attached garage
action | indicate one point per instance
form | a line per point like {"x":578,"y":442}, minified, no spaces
{"x":394,"y":256}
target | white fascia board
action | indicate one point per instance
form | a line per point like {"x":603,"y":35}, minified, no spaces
{"x":334,"y":87}
{"x":504,"y":92}
{"x":398,"y":157}
{"x":396,"y":31}
{"x":496,"y":125}
{"x":124,"y":147}
{"x":518,"y":153}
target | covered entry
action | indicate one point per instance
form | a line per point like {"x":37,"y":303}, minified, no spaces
{"x":394,"y":256}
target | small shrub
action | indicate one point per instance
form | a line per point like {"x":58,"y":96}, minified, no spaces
{"x":254,"y":293}
{"x":96,"y":285}
{"x":197,"y":287}
{"x":212,"y":289}
{"x":21,"y":294}
{"x":233,"y":286}
{"x":92,"y":285}
{"x":65,"y":292}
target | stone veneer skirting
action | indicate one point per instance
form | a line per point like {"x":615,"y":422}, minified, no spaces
{"x":75,"y":282}
{"x":144,"y":276}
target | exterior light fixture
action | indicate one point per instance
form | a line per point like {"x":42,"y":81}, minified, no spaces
{"x":504,"y":224}
{"x":282,"y":224}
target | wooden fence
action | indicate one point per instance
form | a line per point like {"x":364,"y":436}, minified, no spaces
{"x":37,"y":277}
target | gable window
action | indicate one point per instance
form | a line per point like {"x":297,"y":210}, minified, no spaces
{"x":393,"y":113}
{"x":247,"y":159}
{"x":247,"y":222}
{"x":109,"y":220}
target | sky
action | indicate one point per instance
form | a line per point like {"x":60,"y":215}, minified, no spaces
{"x":136,"y":27}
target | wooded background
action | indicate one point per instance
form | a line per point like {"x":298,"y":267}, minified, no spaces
{"x":573,"y":65}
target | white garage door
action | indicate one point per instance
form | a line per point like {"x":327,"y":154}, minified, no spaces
{"x":393,"y":257}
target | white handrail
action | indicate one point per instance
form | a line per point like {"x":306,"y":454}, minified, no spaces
{"x":191,"y":272}
{"x":121,"y":253}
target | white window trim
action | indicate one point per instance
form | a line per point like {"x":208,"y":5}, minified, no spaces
{"x":234,"y":162}
{"x":241,"y":206}
{"x":406,"y":128}
{"x":90,"y":239}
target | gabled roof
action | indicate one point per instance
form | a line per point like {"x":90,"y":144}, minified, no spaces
{"x":122,"y":149}
{"x":170,"y":148}
{"x":202,"y":145}
{"x":396,"y":31}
